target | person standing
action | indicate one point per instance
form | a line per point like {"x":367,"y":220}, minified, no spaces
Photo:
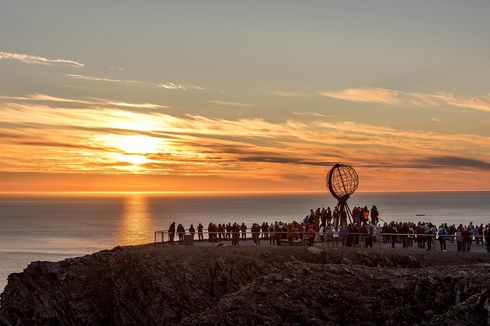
{"x":393,"y":235}
{"x":428,"y":235}
{"x":329,"y":216}
{"x":487,"y":237}
{"x":171,"y":233}
{"x":235,"y":229}
{"x":181,"y":233}
{"x":243,"y":229}
{"x":192,"y":231}
{"x":466,"y":239}
{"x":199,"y":232}
{"x":374,"y":215}
{"x":311,"y":235}
{"x":442,"y":234}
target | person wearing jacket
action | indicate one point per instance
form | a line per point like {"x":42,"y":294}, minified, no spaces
{"x":442,"y":234}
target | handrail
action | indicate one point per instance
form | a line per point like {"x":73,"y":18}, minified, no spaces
{"x":266,"y":235}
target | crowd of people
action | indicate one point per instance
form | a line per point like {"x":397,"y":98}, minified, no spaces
{"x":426,"y":233}
{"x":361,"y":228}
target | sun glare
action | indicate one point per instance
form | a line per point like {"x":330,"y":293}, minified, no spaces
{"x":132,"y":144}
{"x":133,"y":159}
{"x":137,"y":144}
{"x":131,"y":149}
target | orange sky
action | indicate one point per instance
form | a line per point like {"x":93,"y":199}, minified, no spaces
{"x":222,"y":96}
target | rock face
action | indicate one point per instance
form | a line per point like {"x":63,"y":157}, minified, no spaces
{"x":156,"y":285}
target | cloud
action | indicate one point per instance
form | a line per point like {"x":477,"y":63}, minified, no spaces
{"x":285,"y":160}
{"x":456,"y":162}
{"x":364,"y":94}
{"x":83,"y":77}
{"x":288,"y":93}
{"x":32,"y":59}
{"x":172,"y":86}
{"x":312,"y":114}
{"x":98,"y":102}
{"x":392,"y":97}
{"x":229,"y":103}
{"x":40,"y":135}
{"x":131,"y":105}
{"x":169,"y":86}
{"x":467,"y":103}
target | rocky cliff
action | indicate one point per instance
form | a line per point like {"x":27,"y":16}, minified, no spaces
{"x":156,"y":285}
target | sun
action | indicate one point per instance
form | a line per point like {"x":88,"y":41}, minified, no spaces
{"x":137,"y":144}
{"x":132,"y":149}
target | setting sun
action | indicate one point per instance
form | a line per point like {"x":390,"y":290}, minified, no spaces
{"x":133,"y":159}
{"x":137,"y":144}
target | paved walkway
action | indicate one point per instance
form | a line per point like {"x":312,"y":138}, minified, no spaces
{"x":450,"y":245}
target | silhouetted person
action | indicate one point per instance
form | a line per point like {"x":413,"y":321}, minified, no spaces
{"x":374,"y":215}
{"x":429,"y":237}
{"x":243,"y":228}
{"x":199,"y":232}
{"x":487,"y":237}
{"x":171,"y":233}
{"x":329,"y":216}
{"x":442,"y":234}
{"x":192,"y":231}
{"x":181,"y":233}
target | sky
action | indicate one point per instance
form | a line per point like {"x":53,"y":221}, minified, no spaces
{"x":243,"y":95}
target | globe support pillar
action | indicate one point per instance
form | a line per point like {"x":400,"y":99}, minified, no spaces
{"x":344,"y":212}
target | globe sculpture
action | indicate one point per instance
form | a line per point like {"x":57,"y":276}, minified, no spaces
{"x":342,"y":182}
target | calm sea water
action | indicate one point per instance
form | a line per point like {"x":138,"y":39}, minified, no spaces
{"x":56,"y":227}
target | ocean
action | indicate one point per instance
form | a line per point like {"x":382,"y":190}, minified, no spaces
{"x":54,"y":227}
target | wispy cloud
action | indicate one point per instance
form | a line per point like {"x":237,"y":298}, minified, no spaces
{"x":130,"y":105}
{"x":168,"y":86}
{"x":312,"y":114}
{"x":467,"y":103}
{"x":364,"y":94}
{"x":456,"y":162}
{"x":33,"y":59}
{"x":172,"y":86}
{"x":83,"y":77}
{"x":288,"y":93}
{"x":92,"y":101}
{"x":389,"y":96}
{"x":230,"y":103}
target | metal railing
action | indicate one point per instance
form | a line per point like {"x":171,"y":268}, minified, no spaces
{"x":335,"y":239}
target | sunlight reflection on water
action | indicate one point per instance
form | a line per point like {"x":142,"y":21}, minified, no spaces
{"x":137,"y":223}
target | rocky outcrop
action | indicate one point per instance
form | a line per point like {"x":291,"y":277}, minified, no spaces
{"x":156,"y":285}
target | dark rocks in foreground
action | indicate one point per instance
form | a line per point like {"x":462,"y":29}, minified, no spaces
{"x":155,"y":285}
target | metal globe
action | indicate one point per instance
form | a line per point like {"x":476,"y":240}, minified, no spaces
{"x":342,"y":181}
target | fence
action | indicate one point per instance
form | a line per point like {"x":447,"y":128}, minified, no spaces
{"x":336,"y":239}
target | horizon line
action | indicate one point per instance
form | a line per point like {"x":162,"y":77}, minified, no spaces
{"x":217,"y":192}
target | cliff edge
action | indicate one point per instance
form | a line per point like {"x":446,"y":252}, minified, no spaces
{"x":157,"y":285}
